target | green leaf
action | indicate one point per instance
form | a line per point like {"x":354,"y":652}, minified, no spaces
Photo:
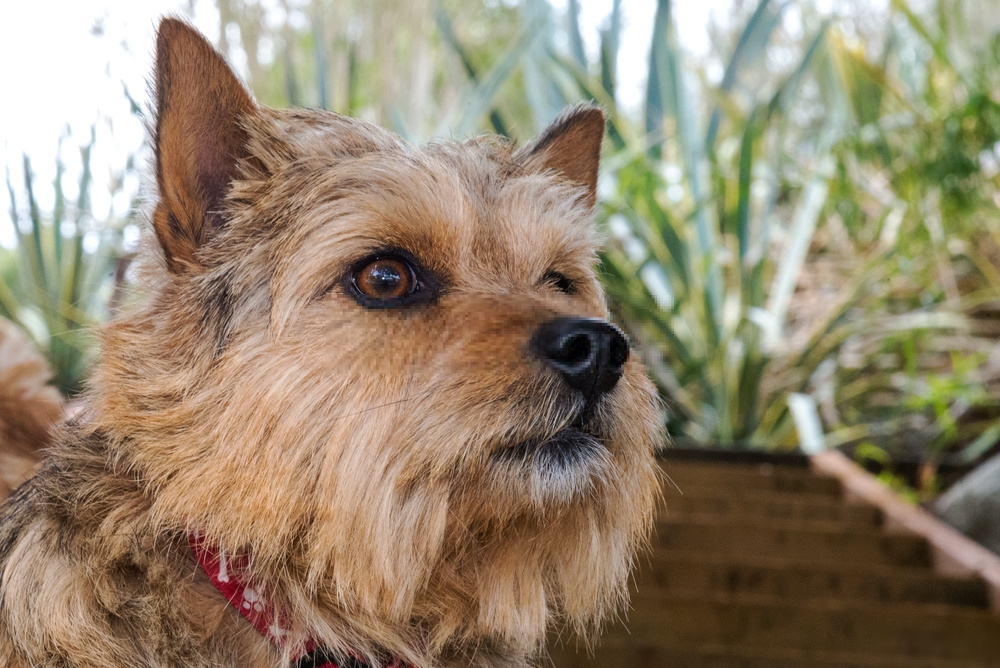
{"x":610,"y":44}
{"x":794,"y":255}
{"x":982,"y":443}
{"x":451,"y":39}
{"x":575,"y":37}
{"x":750,"y":50}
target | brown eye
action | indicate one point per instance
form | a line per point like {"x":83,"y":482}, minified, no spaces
{"x":385,"y":279}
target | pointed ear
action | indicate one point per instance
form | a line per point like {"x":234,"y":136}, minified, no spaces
{"x":200,"y":137}
{"x":570,"y":147}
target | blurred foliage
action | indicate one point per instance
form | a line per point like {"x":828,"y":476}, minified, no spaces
{"x":917,"y":176}
{"x":66,"y":273}
{"x":868,"y":455}
{"x":873,"y":159}
{"x":807,"y":213}
{"x":399,"y":64}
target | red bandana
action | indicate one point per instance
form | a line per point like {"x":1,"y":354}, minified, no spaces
{"x":226,"y":573}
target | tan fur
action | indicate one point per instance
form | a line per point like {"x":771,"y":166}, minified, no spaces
{"x":29,"y":406}
{"x":355,"y":454}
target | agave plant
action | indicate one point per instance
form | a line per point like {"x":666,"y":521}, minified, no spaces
{"x":69,"y":270}
{"x":696,"y":271}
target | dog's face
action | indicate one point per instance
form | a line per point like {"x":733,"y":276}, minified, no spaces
{"x":382,"y":371}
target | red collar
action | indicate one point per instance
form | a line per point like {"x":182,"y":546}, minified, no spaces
{"x":226,"y":573}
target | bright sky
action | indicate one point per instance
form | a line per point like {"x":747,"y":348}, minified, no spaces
{"x":65,"y":64}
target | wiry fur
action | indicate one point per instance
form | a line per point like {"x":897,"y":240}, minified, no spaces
{"x":375,"y":464}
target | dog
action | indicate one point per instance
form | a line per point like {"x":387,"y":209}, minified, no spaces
{"x":29,"y":407}
{"x":368,"y":410}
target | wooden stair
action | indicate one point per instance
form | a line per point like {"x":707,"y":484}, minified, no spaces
{"x":768,"y":565}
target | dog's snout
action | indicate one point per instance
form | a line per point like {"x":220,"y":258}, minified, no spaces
{"x":589,"y":354}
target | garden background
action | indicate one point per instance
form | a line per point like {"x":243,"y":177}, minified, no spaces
{"x":801,"y":214}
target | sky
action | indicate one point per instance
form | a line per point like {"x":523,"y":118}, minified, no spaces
{"x":66,"y":63}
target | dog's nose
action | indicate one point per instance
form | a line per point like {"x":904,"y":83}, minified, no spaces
{"x":589,"y":354}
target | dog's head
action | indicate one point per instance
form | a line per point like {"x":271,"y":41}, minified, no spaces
{"x":383,"y":372}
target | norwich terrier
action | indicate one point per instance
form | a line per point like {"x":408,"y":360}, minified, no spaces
{"x":368,"y":410}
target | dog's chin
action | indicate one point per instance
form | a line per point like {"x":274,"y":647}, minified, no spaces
{"x":565,"y":450}
{"x":556,"y":470}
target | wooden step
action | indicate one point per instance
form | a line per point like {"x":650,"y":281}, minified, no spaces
{"x":789,"y":539}
{"x":694,"y":573}
{"x":765,"y":565}
{"x":618,"y":654}
{"x":760,"y":477}
{"x":904,"y":630}
{"x":951,"y":551}
{"x":757,"y":503}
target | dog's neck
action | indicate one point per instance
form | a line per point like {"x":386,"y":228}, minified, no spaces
{"x":226,"y":573}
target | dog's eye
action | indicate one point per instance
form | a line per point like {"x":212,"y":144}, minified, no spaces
{"x":560,"y":282}
{"x":385,"y":278}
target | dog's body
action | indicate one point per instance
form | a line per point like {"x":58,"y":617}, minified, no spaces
{"x":375,"y":377}
{"x":29,"y":407}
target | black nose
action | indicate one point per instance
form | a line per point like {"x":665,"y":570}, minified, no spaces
{"x":589,"y":354}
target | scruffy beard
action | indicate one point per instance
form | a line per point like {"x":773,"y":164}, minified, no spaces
{"x":457,"y":571}
{"x":556,"y":471}
{"x":437,"y":526}
{"x":545,"y":530}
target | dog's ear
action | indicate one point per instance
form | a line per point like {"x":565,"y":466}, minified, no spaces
{"x":570,"y":147}
{"x":200,"y":137}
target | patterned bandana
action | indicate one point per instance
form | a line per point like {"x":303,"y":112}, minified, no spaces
{"x":226,"y":573}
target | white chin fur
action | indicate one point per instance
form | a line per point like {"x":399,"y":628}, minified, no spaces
{"x":563,"y":470}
